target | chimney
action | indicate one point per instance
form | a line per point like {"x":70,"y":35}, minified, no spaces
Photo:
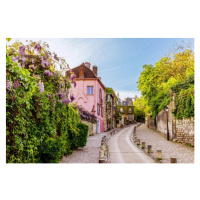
{"x":87,"y":64}
{"x":94,"y":69}
{"x":81,"y":72}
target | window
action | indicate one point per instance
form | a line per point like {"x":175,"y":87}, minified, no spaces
{"x":102,"y":111}
{"x":98,"y":109}
{"x":90,"y":90}
{"x":100,"y":94}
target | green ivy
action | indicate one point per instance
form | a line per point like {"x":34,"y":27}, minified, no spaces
{"x":184,"y":101}
{"x":39,"y":129}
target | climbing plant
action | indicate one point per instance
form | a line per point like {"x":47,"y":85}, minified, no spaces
{"x":184,"y":100}
{"x":41,"y":124}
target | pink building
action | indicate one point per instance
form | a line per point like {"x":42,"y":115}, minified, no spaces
{"x":90,"y":92}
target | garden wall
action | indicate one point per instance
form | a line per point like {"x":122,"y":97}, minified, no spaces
{"x":181,"y":130}
{"x":185,"y":130}
{"x":92,"y":127}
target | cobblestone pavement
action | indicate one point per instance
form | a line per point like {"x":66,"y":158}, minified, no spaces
{"x":89,"y":153}
{"x":170,"y":149}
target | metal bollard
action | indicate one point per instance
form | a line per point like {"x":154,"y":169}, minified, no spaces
{"x":134,"y":129}
{"x":159,"y":154}
{"x":103,"y":147}
{"x":135,"y":138}
{"x":173,"y":160}
{"x":101,"y":156}
{"x":143,"y":145}
{"x":149,"y":148}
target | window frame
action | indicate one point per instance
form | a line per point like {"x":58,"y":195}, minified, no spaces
{"x":91,"y":89}
{"x":102,"y":111}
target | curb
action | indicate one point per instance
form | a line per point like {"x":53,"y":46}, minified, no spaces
{"x":157,"y":161}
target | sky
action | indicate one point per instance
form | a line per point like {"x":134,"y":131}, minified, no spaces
{"x":119,"y":60}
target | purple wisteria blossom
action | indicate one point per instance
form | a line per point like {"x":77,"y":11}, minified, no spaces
{"x":28,"y":48}
{"x":55,"y":57}
{"x":62,"y":94}
{"x":41,"y":87}
{"x":48,"y":73}
{"x":16,"y":84}
{"x":41,"y":58}
{"x":23,"y":60}
{"x":49,"y":96}
{"x":8,"y":85}
{"x":74,"y":84}
{"x":13,"y":59}
{"x":72,"y":97}
{"x":47,"y":63}
{"x":22,"y":50}
{"x":38,"y":47}
{"x":66,"y":101}
{"x":72,"y":78}
{"x":19,"y":65}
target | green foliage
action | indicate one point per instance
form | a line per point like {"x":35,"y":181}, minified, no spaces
{"x":169,"y":73}
{"x":40,"y":126}
{"x":83,"y":133}
{"x":141,"y":108}
{"x":110,"y":91}
{"x":184,"y":103}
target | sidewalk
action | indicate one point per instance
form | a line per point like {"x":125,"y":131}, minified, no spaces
{"x":89,"y":153}
{"x":170,"y":149}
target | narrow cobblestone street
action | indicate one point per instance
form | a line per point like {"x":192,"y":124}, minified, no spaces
{"x":122,"y":150}
{"x":170,"y":149}
{"x":129,"y":153}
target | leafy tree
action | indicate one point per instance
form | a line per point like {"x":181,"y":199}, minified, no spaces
{"x":141,"y":108}
{"x":156,"y":81}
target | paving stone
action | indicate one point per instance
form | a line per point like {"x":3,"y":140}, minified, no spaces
{"x":89,"y":153}
{"x":183,"y":153}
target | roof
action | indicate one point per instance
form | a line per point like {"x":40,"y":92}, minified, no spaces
{"x":88,"y":73}
{"x":126,"y":102}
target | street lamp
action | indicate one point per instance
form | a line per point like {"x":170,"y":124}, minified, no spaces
{"x":166,"y":110}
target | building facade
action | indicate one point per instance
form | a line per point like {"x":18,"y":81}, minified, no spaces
{"x":111,"y":101}
{"x":125,"y":112}
{"x":90,"y":92}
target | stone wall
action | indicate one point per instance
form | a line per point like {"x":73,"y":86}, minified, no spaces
{"x":185,"y":130}
{"x":92,"y":127}
{"x":180,"y":130}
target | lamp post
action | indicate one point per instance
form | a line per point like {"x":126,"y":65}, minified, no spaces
{"x":166,"y":110}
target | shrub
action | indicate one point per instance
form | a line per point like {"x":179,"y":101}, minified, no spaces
{"x":50,"y":150}
{"x":83,"y":133}
{"x":41,"y":125}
